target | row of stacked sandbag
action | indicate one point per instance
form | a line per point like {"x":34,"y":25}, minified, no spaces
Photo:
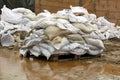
{"x":71,"y":30}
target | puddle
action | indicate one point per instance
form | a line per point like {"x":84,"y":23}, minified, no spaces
{"x":12,"y":67}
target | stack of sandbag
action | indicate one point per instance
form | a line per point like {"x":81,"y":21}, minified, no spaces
{"x":71,"y":30}
{"x":15,"y":24}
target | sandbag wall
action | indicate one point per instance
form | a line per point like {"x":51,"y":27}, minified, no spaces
{"x":72,"y":30}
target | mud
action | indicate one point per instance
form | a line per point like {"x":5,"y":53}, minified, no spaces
{"x":112,"y":52}
{"x":106,"y":67}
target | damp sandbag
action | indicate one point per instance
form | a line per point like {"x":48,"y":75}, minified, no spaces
{"x":43,"y":23}
{"x":72,"y":46}
{"x":95,"y":42}
{"x":45,"y":52}
{"x":7,"y":40}
{"x":53,"y":31}
{"x":74,"y":18}
{"x":78,"y":51}
{"x":32,"y":42}
{"x":23,"y":52}
{"x":35,"y":50}
{"x":82,"y":27}
{"x":95,"y":52}
{"x":59,"y":45}
{"x":48,"y":47}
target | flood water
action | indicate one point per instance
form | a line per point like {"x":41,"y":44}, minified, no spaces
{"x":13,"y":67}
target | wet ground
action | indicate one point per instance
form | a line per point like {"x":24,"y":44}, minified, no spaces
{"x":106,"y":67}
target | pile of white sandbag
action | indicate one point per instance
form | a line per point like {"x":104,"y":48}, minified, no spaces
{"x":71,"y":30}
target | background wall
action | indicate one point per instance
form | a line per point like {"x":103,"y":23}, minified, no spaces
{"x":54,"y":5}
{"x":108,"y":8}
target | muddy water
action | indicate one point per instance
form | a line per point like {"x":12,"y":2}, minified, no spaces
{"x":12,"y":67}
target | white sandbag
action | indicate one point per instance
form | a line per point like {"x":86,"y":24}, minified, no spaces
{"x":71,"y":28}
{"x":30,"y":24}
{"x":57,"y":39}
{"x":23,"y":52}
{"x":63,"y":21}
{"x":61,"y":17}
{"x":30,"y":43}
{"x":60,"y":23}
{"x":92,"y":26}
{"x":64,"y":24}
{"x":82,"y":27}
{"x":30,"y":16}
{"x":9,"y":16}
{"x":35,"y":50}
{"x":76,"y":37}
{"x":22,"y":11}
{"x":7,"y":26}
{"x":72,"y":46}
{"x":62,"y":13}
{"x":78,"y":9}
{"x":93,"y":35}
{"x":33,"y":36}
{"x":107,"y":35}
{"x":63,"y":42}
{"x":104,"y":28}
{"x":48,"y":47}
{"x":43,"y":23}
{"x":95,"y":52}
{"x":105,"y":22}
{"x":2,"y":25}
{"x":45,"y":52}
{"x":101,"y":36}
{"x":61,"y":26}
{"x":45,"y":14}
{"x":92,"y":47}
{"x":78,"y":51}
{"x":117,"y":34}
{"x":24,"y":21}
{"x":95,"y":42}
{"x":90,"y":17}
{"x":39,"y":32}
{"x":73,"y":18}
{"x":7,"y":40}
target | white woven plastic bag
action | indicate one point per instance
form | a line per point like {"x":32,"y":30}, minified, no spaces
{"x":9,"y":16}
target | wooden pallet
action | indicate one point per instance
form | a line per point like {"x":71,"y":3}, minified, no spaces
{"x":62,"y":56}
{"x":66,"y":56}
{"x":59,"y":57}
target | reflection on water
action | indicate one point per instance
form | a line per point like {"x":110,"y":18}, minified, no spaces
{"x":14,"y":68}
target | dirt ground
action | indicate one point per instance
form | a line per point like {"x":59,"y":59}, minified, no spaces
{"x":112,"y":52}
{"x":106,"y":67}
